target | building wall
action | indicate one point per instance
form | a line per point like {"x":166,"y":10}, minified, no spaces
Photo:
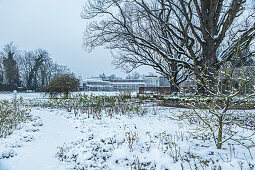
{"x":115,"y":85}
{"x":152,"y":81}
{"x":99,"y":84}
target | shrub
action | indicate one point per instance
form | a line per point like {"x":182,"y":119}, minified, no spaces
{"x":63,"y":84}
{"x":12,"y":113}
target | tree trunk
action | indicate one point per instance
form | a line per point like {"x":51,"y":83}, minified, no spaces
{"x":208,"y":73}
{"x":220,"y":131}
{"x":173,"y":79}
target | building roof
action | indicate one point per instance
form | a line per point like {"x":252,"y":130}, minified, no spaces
{"x":115,"y":83}
{"x":151,"y":77}
{"x":96,"y":80}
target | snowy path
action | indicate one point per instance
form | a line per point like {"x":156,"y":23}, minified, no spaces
{"x":40,"y":154}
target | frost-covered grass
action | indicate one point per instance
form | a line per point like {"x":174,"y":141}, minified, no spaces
{"x":191,"y":98}
{"x":95,"y":105}
{"x":40,"y":95}
{"x":13,"y":112}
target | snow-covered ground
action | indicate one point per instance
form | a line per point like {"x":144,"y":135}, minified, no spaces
{"x":38,"y":152}
{"x":56,"y":139}
{"x":8,"y":95}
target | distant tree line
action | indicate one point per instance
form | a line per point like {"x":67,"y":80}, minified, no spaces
{"x":27,"y":70}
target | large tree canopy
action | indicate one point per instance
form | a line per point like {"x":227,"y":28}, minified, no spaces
{"x":172,"y":36}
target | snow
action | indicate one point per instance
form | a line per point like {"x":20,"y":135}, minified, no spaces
{"x":8,"y":96}
{"x":58,"y":140}
{"x":41,"y":153}
{"x":30,"y":95}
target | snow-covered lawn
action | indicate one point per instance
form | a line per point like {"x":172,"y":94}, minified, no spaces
{"x":9,"y":95}
{"x":152,"y":141}
{"x":28,"y":95}
{"x":57,"y":139}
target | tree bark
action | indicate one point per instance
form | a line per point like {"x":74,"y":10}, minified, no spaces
{"x":220,"y":130}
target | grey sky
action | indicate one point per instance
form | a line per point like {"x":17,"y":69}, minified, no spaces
{"x":54,"y":25}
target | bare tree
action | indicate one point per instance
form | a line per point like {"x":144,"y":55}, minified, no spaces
{"x":38,"y":62}
{"x":37,"y":69}
{"x":25,"y":63}
{"x":30,"y":64}
{"x":124,"y":33}
{"x":218,"y":113}
{"x":198,"y":35}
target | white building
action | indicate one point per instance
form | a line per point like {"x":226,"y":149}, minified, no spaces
{"x":127,"y":84}
{"x":97,"y":84}
{"x":152,"y":81}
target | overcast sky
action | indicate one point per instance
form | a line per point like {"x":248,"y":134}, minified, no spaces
{"x":54,"y":25}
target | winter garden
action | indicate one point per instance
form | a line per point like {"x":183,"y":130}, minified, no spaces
{"x":205,"y":49}
{"x":127,"y":131}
